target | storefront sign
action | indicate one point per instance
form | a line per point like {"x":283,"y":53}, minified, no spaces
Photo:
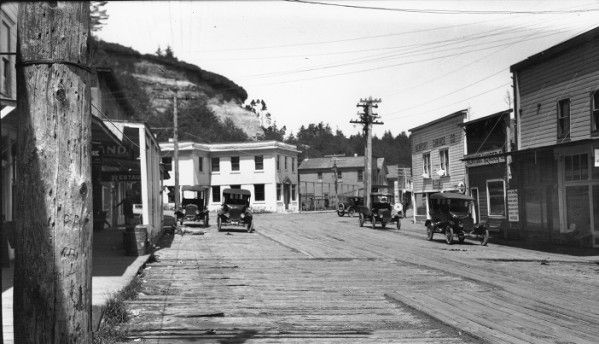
{"x":512,"y":205}
{"x":485,"y":158}
{"x":111,"y":151}
{"x":120,"y":177}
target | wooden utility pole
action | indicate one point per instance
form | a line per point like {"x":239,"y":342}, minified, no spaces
{"x":53,"y":234}
{"x":176,"y":152}
{"x":367,"y":119}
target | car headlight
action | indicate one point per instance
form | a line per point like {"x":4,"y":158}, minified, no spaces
{"x":242,"y":215}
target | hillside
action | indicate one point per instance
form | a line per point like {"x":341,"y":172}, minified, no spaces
{"x":149,"y":82}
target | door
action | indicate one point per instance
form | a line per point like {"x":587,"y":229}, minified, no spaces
{"x":475,"y":205}
{"x":286,"y":195}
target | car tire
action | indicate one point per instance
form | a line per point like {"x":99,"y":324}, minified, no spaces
{"x":398,"y":223}
{"x":429,"y":232}
{"x":461,"y":238}
{"x":361,"y":220}
{"x":373,"y":222}
{"x":219,"y":223}
{"x":449,"y":235}
{"x":484,"y":238}
{"x":351,"y":213}
{"x":383,"y":224}
{"x":340,"y":213}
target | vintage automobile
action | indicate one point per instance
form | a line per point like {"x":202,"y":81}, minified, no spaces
{"x":349,"y":205}
{"x":194,"y":201}
{"x":450,"y":214}
{"x":235,"y":209}
{"x":380,"y":210}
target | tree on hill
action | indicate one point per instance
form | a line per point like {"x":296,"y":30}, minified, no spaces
{"x":98,"y":15}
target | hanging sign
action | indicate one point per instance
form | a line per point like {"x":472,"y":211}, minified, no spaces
{"x":512,"y":205}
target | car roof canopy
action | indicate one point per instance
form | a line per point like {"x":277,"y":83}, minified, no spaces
{"x":194,"y":188}
{"x":237,"y":192}
{"x":450,"y":195}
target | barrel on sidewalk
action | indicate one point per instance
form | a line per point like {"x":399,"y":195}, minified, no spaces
{"x":135,"y":240}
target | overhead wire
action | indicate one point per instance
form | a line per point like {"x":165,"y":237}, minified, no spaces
{"x":114,"y":125}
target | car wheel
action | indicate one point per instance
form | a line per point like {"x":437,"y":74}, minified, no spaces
{"x":429,"y":232}
{"x":383,"y":224}
{"x":398,"y":224}
{"x":449,"y":235}
{"x":361,"y":220}
{"x":219,"y":223}
{"x":340,"y":213}
{"x":461,"y":238}
{"x":351,"y":213}
{"x":373,"y":222}
{"x":484,"y":238}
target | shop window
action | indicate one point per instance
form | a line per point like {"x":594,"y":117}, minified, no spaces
{"x":595,"y":112}
{"x":215,"y":164}
{"x":234,"y":163}
{"x":279,"y":187}
{"x":293,"y":192}
{"x":563,"y":119}
{"x":578,"y":209}
{"x":496,"y":197}
{"x":444,"y":158}
{"x":259,"y":192}
{"x":576,"y":167}
{"x":216,"y":193}
{"x":420,"y":204}
{"x":259,"y":162}
{"x":426,"y":165}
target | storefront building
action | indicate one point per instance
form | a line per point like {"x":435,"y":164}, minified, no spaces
{"x":437,"y":166}
{"x":556,"y":168}
{"x":489,"y":141}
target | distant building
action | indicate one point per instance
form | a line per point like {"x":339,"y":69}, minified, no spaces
{"x":437,"y":151}
{"x":489,"y":141}
{"x":266,"y":168}
{"x":556,"y":167}
{"x":400,"y":182}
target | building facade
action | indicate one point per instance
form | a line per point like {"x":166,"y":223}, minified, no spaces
{"x":437,"y":166}
{"x":399,"y":180}
{"x":489,"y":141}
{"x":267,"y":168}
{"x":556,"y":167}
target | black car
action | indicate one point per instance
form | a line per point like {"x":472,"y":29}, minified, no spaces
{"x":381,"y":210}
{"x":235,"y":209}
{"x":195,"y":205}
{"x":450,"y":214}
{"x":349,"y":205}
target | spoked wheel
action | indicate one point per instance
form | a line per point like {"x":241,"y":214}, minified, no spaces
{"x":219,"y":223}
{"x":351,"y":213}
{"x":484,"y":238}
{"x":398,"y":223}
{"x":429,"y":232}
{"x":373,"y":222}
{"x":340,"y":213}
{"x":361,"y":220}
{"x":449,"y":235}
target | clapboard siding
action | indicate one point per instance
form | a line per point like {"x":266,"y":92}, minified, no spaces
{"x":457,"y":168}
{"x":538,"y":124}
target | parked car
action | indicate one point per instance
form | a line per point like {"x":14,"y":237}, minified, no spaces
{"x":349,"y":205}
{"x":195,"y":205}
{"x":235,"y":209}
{"x":380,"y":211}
{"x":450,"y":214}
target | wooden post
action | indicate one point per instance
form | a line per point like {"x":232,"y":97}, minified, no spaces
{"x":176,"y":152}
{"x":52,"y":282}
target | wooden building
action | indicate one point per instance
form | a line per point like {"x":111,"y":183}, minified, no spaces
{"x":437,"y":166}
{"x":556,"y":167}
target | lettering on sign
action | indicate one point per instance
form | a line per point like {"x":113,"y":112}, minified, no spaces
{"x":421,"y":146}
{"x":512,"y":205}
{"x":120,"y":177}
{"x":453,"y":138}
{"x":439,"y":142}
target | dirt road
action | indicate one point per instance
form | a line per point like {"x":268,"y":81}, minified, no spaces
{"x":321,"y":278}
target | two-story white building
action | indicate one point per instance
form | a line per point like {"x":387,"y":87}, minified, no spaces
{"x":266,"y":168}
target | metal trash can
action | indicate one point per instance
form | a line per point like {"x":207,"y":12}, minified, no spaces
{"x":135,"y":240}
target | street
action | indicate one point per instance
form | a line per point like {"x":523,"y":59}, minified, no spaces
{"x":321,"y":278}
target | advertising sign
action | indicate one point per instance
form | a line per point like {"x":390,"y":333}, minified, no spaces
{"x":120,"y":177}
{"x":512,"y":205}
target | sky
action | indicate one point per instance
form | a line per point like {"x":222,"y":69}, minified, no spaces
{"x":314,"y":62}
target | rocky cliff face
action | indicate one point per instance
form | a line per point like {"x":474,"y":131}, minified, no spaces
{"x":149,"y":82}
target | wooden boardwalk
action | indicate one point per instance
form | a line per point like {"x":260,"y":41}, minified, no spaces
{"x":319,"y":278}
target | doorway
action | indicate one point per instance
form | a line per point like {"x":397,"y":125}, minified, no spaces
{"x":286,"y":195}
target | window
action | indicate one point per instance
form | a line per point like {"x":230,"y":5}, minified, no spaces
{"x":285,"y":158}
{"x":595,"y":112}
{"x":236,"y":186}
{"x":319,"y":176}
{"x":426,"y":165}
{"x":6,"y":72}
{"x":496,"y":197}
{"x":259,"y":192}
{"x":6,"y":75}
{"x":234,"y":163}
{"x":279,"y":187}
{"x":563,"y":119}
{"x":278,"y":162}
{"x":215,"y":164}
{"x":292,"y":164}
{"x":339,"y":175}
{"x":259,"y":162}
{"x":360,"y":175}
{"x":201,"y":164}
{"x":293,"y":196}
{"x":576,"y":167}
{"x":216,"y":193}
{"x":444,"y":158}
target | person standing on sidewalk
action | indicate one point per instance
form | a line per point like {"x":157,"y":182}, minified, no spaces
{"x":127,"y":204}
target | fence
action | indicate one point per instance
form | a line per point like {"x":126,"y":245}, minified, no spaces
{"x":322,"y":196}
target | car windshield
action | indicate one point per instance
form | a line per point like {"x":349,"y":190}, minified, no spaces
{"x":236,"y":199}
{"x":459,"y":206}
{"x":380,"y":199}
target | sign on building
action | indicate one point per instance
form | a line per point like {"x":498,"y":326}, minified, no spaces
{"x":512,"y":205}
{"x":596,"y":157}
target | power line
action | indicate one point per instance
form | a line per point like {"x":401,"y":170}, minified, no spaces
{"x":114,"y":125}
{"x":447,"y":11}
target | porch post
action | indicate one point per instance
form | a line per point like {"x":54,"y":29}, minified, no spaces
{"x":143,"y":161}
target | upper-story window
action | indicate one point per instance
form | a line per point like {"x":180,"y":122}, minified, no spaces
{"x":576,"y":167}
{"x":292,"y":164}
{"x":234,"y":163}
{"x":201,"y":164}
{"x":6,"y":66}
{"x":426,"y":165}
{"x":595,"y":112}
{"x":285,"y":158}
{"x":278,"y":162}
{"x":563,"y":118}
{"x":259,"y":162}
{"x":360,"y":175}
{"x":444,"y":158}
{"x":215,"y":164}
